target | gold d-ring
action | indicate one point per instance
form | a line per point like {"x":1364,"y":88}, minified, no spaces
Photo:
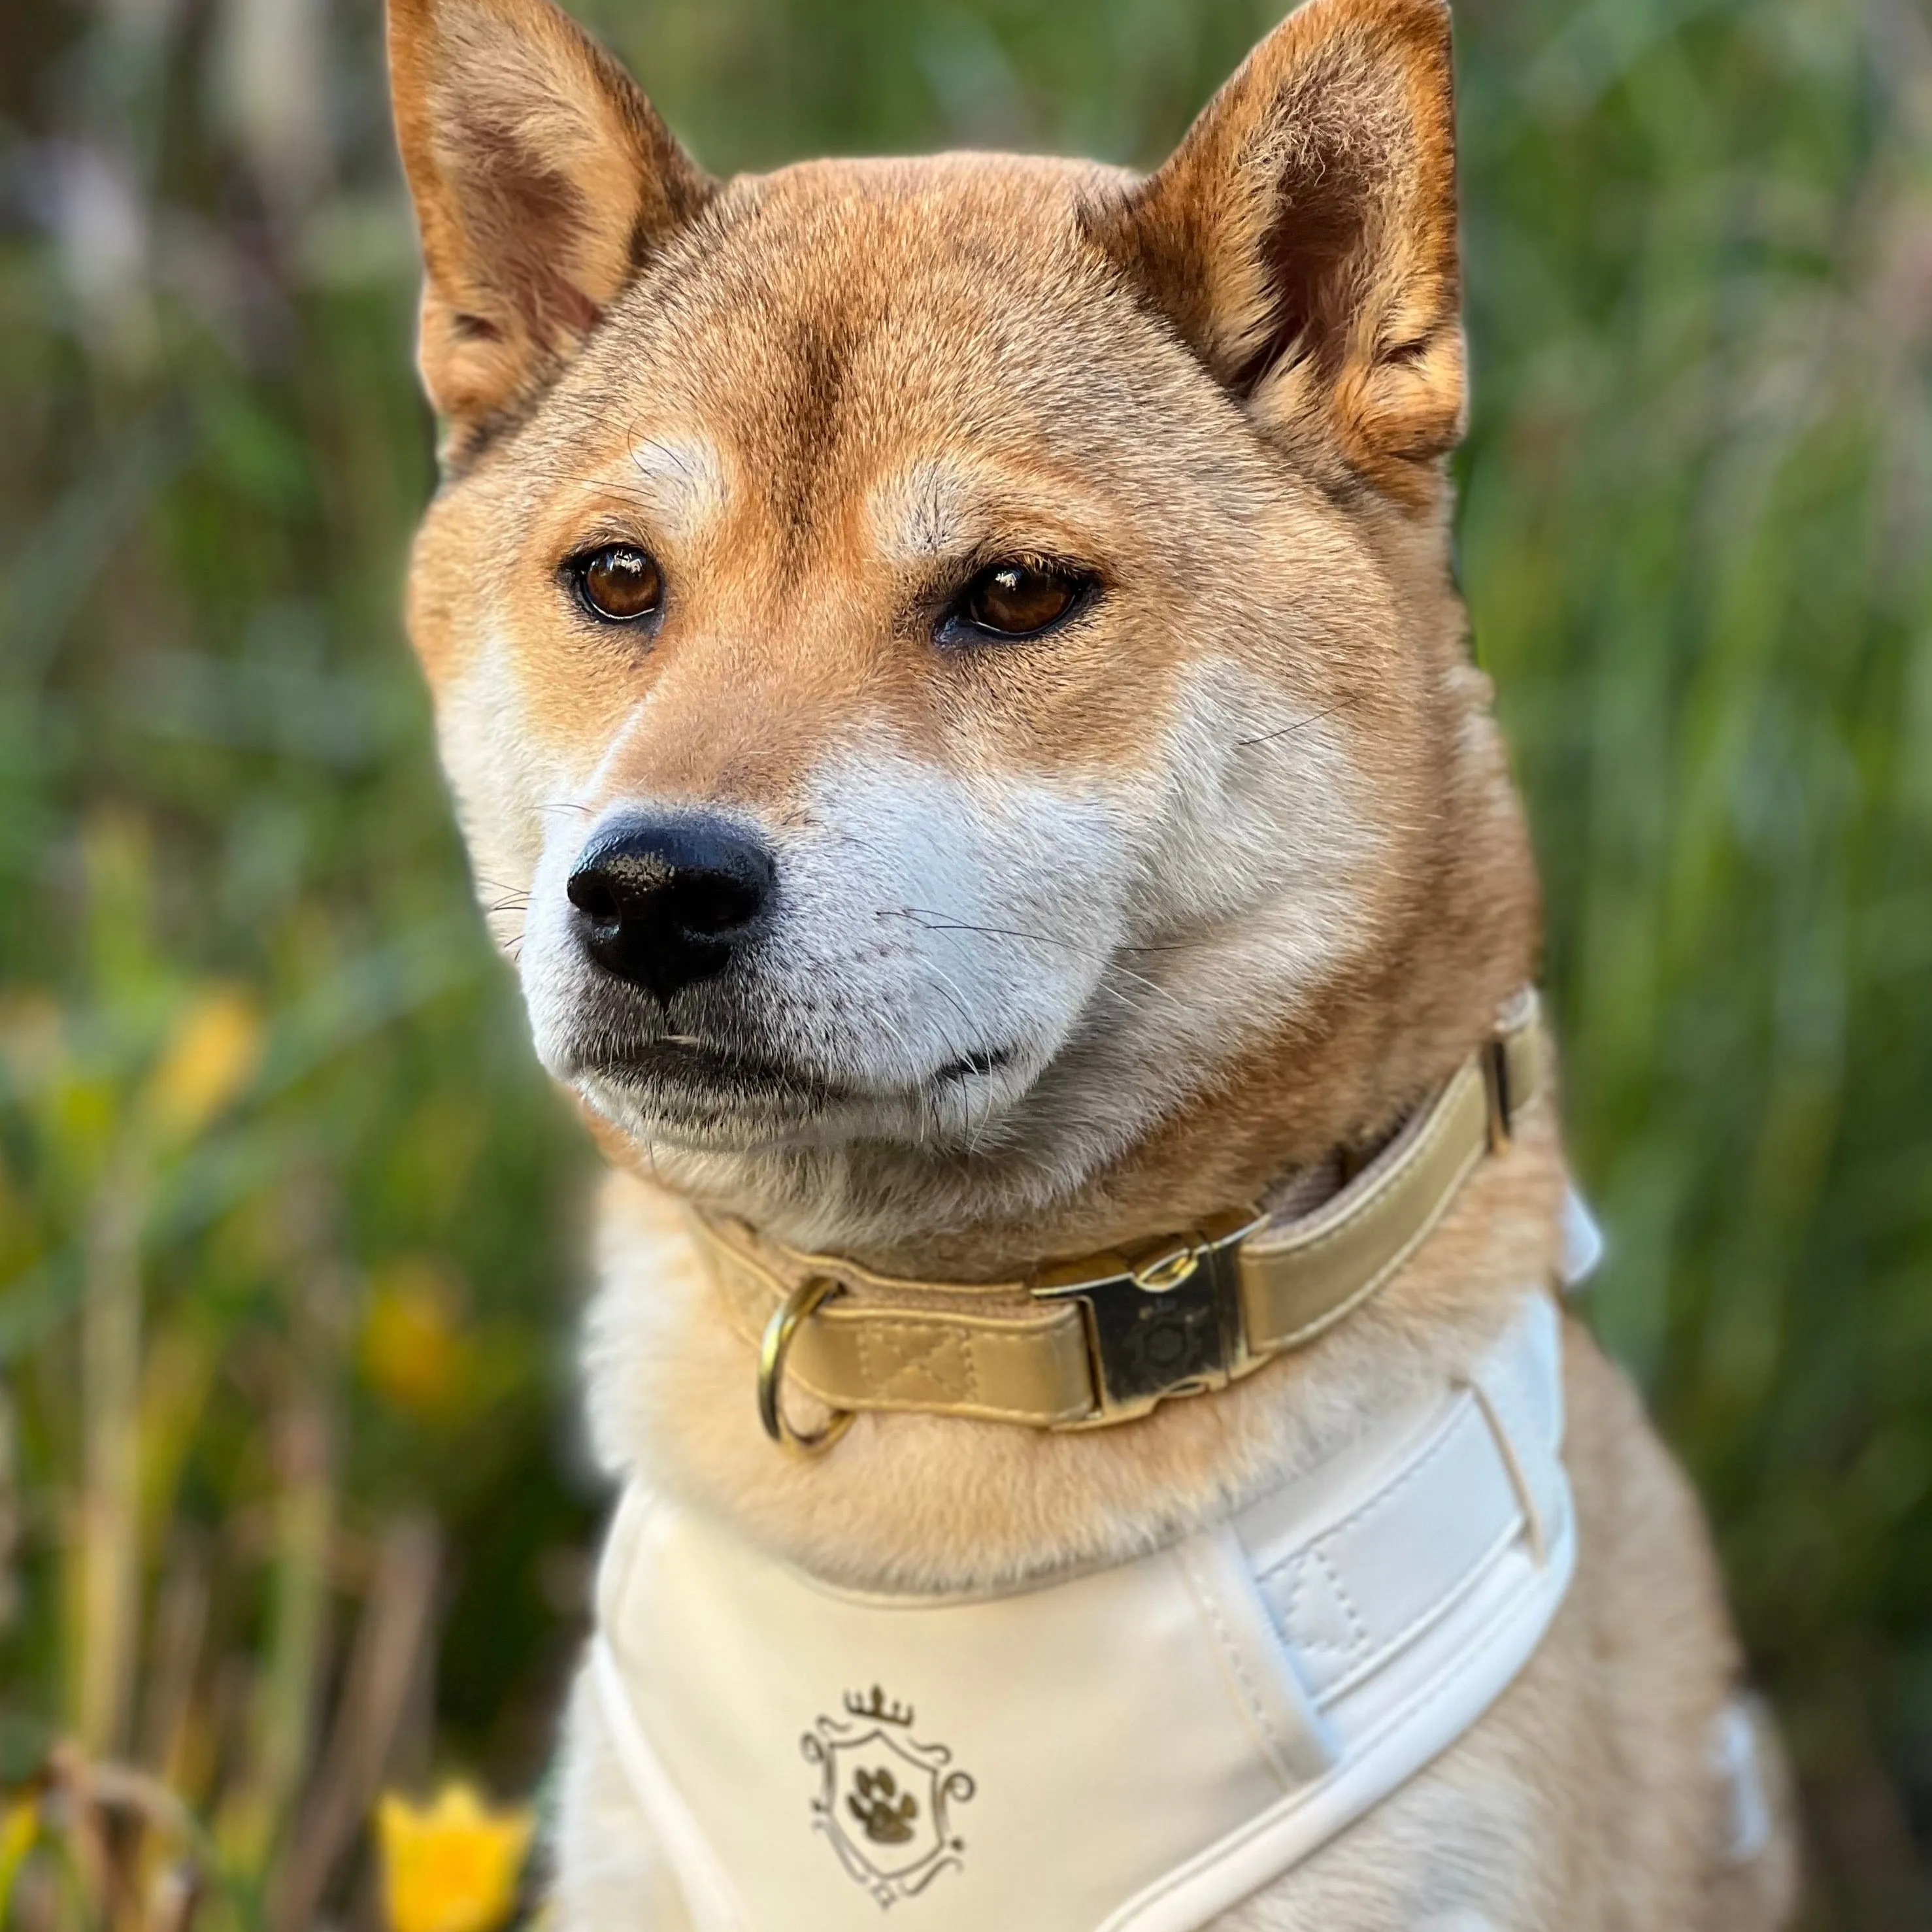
{"x":786,"y":1319}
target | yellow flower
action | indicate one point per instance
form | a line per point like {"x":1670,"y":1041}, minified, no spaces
{"x":19,"y":1827}
{"x":212,"y":1057}
{"x":413,"y":1349}
{"x":452,"y":1866}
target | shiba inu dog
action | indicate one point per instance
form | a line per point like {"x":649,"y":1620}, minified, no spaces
{"x":950,"y":674}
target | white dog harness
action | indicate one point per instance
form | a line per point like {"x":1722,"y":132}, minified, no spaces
{"x":1135,"y":1748}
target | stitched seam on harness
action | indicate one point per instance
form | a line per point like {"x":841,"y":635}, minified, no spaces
{"x":1446,"y":1601}
{"x":1451,"y":1424}
{"x":1411,"y":1709}
{"x":1359,"y":1630}
{"x":1205,"y":1595}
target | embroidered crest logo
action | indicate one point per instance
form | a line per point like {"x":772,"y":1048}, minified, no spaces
{"x":883,"y":1798}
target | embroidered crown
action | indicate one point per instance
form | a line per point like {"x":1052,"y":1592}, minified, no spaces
{"x":860,"y":1706}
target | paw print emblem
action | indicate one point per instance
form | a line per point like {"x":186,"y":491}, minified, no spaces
{"x":883,"y":1798}
{"x":885,"y":1812}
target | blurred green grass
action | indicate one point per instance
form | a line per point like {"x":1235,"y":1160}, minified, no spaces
{"x":287,"y":1217}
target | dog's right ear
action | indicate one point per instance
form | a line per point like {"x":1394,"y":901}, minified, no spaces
{"x":543,"y":180}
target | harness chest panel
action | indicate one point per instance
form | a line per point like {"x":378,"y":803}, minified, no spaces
{"x":1137,"y":1747}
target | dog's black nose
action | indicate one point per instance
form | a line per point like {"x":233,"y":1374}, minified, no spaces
{"x":662,"y":902}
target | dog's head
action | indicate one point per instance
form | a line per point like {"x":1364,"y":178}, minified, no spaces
{"x":949,"y":656}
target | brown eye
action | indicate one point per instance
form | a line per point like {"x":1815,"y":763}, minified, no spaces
{"x":619,"y":582}
{"x":1017,"y":600}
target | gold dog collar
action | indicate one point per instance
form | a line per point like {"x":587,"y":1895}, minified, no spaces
{"x":1104,"y":1339}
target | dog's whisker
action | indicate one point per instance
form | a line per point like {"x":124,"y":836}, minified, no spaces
{"x":928,"y":920}
{"x":1300,"y":724}
{"x":958,"y":1002}
{"x":1141,"y":979}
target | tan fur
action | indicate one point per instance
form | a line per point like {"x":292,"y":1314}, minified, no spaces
{"x":1229,"y":869}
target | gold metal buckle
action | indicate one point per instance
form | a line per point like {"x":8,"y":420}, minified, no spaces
{"x":790,"y":1316}
{"x":1168,"y":1324}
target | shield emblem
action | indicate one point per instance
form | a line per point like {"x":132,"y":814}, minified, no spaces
{"x":884,"y":1798}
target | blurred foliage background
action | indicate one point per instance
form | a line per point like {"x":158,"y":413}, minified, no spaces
{"x":291,"y":1505}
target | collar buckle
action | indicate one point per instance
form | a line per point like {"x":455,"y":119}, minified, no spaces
{"x":1167,"y":1323}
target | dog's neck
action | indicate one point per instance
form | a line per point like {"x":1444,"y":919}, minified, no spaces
{"x":1304,"y":1105}
{"x":923,"y":1502}
{"x":927,"y":1502}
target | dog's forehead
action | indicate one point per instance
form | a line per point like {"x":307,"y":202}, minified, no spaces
{"x":827,"y":320}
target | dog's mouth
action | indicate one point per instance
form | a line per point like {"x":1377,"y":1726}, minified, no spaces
{"x":969,"y":1066}
{"x":683,"y":1063}
{"x":684,"y":1066}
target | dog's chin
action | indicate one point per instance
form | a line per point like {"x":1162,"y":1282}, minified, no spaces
{"x":688,"y":1095}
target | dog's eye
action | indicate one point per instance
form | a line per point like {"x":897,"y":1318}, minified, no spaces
{"x":619,"y":583}
{"x":1017,"y":600}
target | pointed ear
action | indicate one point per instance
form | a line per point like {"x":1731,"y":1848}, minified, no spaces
{"x":543,"y":180}
{"x":1302,"y":238}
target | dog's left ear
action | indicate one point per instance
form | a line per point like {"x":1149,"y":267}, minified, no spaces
{"x":543,"y":181}
{"x":1302,"y":238}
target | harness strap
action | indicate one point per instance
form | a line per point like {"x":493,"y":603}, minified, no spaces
{"x":1129,"y":1749}
{"x":1103,"y":1338}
